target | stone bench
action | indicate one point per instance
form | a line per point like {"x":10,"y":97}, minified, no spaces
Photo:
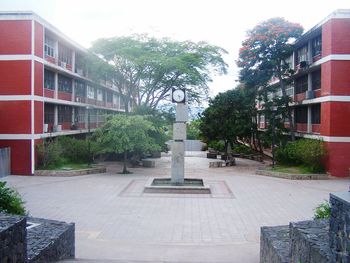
{"x":216,"y":164}
{"x":148,"y":163}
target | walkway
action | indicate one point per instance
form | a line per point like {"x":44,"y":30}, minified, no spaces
{"x":116,"y":222}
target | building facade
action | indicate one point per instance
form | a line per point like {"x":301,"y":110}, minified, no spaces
{"x":321,"y":89}
{"x":45,"y":88}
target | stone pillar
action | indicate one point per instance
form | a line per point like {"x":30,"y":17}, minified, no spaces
{"x":339,"y":227}
{"x":178,"y":145}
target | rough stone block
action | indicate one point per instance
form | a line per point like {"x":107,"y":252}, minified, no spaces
{"x":179,"y":131}
{"x":274,"y":244}
{"x":309,"y":241}
{"x":13,"y":244}
{"x":339,"y":228}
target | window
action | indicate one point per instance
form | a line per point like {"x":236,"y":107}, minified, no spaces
{"x":316,"y":114}
{"x":301,"y":54}
{"x":109,"y":96}
{"x":64,"y":54}
{"x":80,"y":88}
{"x":301,"y":114}
{"x":49,"y":47}
{"x":316,"y":79}
{"x":64,"y":113}
{"x":49,"y":110}
{"x":100,"y":95}
{"x":91,"y":94}
{"x":289,"y":90}
{"x":64,"y":84}
{"x":115,"y":99}
{"x":49,"y":79}
{"x":301,"y":84}
{"x":317,"y":46}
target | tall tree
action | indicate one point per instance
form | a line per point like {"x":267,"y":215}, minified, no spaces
{"x":147,"y":68}
{"x":264,"y":55}
{"x":227,"y":118}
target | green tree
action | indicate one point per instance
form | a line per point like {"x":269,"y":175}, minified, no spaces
{"x":264,"y":55}
{"x":193,"y":131}
{"x":227,"y":118}
{"x":146,"y":68}
{"x":123,"y":133}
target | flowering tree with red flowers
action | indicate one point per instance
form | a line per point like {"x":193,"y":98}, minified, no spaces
{"x":264,"y":55}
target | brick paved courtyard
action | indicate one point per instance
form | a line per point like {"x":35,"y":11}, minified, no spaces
{"x":116,"y":222}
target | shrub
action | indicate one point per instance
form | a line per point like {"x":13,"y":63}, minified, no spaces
{"x":303,"y":152}
{"x":10,"y":201}
{"x":217,"y":145}
{"x":242,"y":149}
{"x":311,"y":153}
{"x":76,"y":151}
{"x":323,"y":211}
{"x":50,"y":154}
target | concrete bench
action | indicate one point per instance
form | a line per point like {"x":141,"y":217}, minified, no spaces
{"x":148,"y":163}
{"x":216,"y":164}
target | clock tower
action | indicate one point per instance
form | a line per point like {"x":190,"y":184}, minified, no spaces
{"x":179,"y":137}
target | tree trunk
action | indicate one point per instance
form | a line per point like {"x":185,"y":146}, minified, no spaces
{"x":125,"y":171}
{"x":289,"y":110}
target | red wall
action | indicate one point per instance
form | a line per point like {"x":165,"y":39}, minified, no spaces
{"x":38,"y":79}
{"x":335,"y":78}
{"x":39,"y":116}
{"x":64,"y":96}
{"x":20,"y":156}
{"x":336,"y":37}
{"x":49,"y":93}
{"x":338,"y":159}
{"x":15,"y":77}
{"x":335,"y":119}
{"x":39,"y":39}
{"x":15,"y":37}
{"x":15,"y":117}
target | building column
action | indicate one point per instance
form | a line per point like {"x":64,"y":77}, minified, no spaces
{"x":73,"y":60}
{"x":309,"y":123}
{"x":309,"y":52}
{"x":309,"y":82}
{"x":73,"y":90}
{"x":56,"y":86}
{"x":55,"y":115}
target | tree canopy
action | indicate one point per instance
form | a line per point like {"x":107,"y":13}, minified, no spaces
{"x":125,"y":133}
{"x":146,"y":68}
{"x":228,"y":117}
{"x":265,"y":54}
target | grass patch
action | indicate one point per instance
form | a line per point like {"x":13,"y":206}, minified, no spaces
{"x":70,"y":166}
{"x":291,"y":169}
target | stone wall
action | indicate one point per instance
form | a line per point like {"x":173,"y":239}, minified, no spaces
{"x":339,"y":229}
{"x":13,"y":246}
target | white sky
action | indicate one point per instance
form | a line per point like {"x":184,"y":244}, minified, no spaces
{"x":219,"y":22}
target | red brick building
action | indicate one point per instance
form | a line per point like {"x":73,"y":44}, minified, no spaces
{"x":45,"y":90}
{"x":321,"y":89}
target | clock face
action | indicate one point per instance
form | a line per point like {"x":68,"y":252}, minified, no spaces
{"x":178,"y":95}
